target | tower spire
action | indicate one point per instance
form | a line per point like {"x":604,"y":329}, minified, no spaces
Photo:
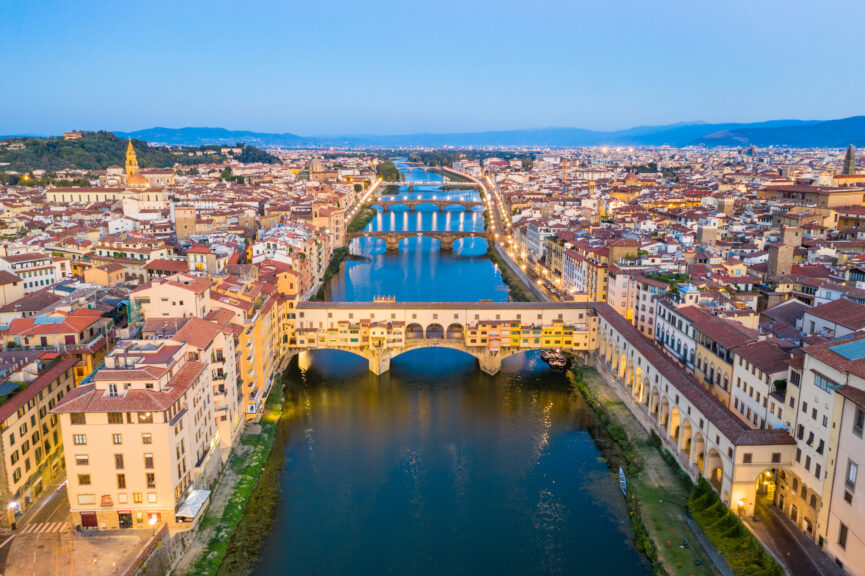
{"x":850,"y":160}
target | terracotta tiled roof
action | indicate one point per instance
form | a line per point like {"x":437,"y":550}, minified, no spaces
{"x":789,"y":311}
{"x":32,"y":302}
{"x":727,"y":333}
{"x":855,"y":395}
{"x":89,"y":399}
{"x":169,"y":265}
{"x":198,"y":333}
{"x":163,"y":325}
{"x":8,"y":278}
{"x":843,"y":312}
{"x":768,"y":356}
{"x":73,"y":323}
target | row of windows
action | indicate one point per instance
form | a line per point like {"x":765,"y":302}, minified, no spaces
{"x":79,"y":418}
{"x":84,"y":460}
{"x":35,"y":273}
{"x":149,"y":478}
{"x":116,"y":439}
{"x":137,"y":498}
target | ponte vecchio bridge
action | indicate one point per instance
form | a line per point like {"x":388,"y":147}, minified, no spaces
{"x":489,"y":331}
{"x":392,"y":238}
{"x":704,"y":435}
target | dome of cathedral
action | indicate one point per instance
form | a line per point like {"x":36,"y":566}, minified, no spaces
{"x":136,"y":180}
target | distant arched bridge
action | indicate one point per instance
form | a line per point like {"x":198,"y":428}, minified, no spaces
{"x":446,"y":238}
{"x":413,"y":204}
{"x":431,"y":183}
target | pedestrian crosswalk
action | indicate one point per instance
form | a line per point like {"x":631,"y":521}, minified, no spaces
{"x":46,"y":527}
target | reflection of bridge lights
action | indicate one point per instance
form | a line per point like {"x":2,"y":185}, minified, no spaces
{"x":304,"y":361}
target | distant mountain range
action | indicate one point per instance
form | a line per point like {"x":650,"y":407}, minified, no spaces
{"x":791,"y":133}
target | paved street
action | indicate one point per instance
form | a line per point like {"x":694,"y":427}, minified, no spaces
{"x":500,"y":228}
{"x":49,"y":516}
{"x":45,"y":544}
{"x":798,"y":553}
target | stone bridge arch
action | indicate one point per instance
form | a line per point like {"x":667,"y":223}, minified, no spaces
{"x":434,"y":331}
{"x":414,"y":331}
{"x":455,"y":331}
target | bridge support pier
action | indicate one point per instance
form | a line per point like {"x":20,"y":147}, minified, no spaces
{"x":392,"y":244}
{"x":378,"y":365}
{"x":446,"y":244}
{"x":490,"y":362}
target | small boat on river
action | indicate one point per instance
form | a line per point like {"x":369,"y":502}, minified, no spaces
{"x":554,"y":358}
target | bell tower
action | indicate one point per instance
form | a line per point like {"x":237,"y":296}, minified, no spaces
{"x":131,"y":160}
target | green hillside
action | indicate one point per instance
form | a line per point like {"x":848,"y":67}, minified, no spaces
{"x":99,"y":150}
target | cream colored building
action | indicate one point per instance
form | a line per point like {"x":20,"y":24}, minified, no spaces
{"x":130,"y":251}
{"x":141,"y":438}
{"x":11,"y":287}
{"x":214,"y":344}
{"x":754,"y":396}
{"x":175,"y":296}
{"x":822,"y":419}
{"x":845,"y":530}
{"x":37,"y":270}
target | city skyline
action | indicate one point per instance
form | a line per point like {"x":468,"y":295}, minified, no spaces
{"x":392,"y":69}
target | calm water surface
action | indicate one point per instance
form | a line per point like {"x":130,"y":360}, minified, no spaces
{"x":435,"y":468}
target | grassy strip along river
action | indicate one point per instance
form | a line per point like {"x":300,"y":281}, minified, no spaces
{"x":657,"y":492}
{"x":234,"y":533}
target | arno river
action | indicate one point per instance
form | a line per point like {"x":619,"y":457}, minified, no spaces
{"x":435,"y":467}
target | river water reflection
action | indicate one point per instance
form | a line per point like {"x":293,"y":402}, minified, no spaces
{"x":435,"y":467}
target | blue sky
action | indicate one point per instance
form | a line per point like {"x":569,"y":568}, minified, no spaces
{"x":350,"y":67}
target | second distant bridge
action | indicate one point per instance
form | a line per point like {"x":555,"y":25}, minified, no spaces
{"x":392,"y":239}
{"x":441,"y":204}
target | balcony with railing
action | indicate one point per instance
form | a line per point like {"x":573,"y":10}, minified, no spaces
{"x":87,"y":346}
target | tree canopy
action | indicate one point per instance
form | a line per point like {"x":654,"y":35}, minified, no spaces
{"x":99,"y":150}
{"x":387,"y":171}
